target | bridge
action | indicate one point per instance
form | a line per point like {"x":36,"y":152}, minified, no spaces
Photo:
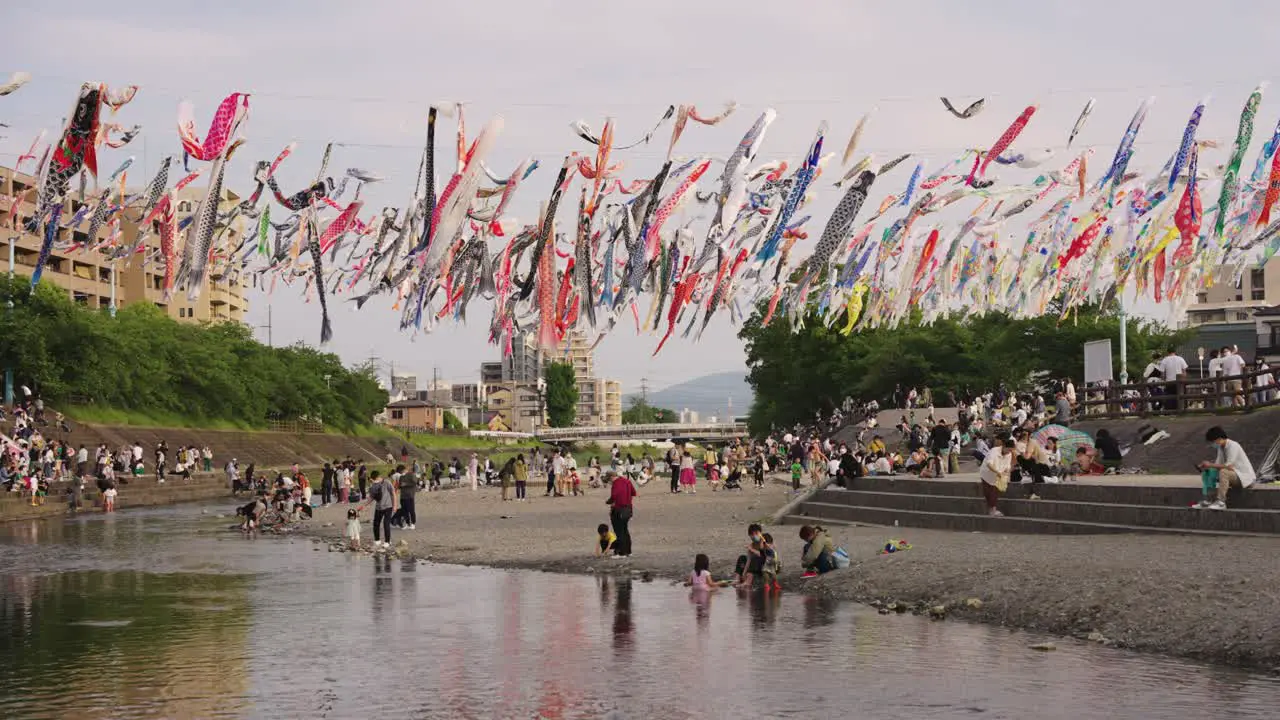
{"x":653,"y":431}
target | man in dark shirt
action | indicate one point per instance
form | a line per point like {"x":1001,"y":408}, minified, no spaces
{"x":327,"y":476}
{"x":939,"y":444}
{"x":408,"y":484}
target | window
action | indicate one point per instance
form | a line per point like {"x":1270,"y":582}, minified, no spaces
{"x":1257,"y":284}
{"x":184,"y":206}
{"x":1242,"y":316}
{"x":397,"y":414}
{"x":1202,"y":297}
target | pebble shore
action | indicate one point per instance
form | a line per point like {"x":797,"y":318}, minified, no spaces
{"x":1207,"y":598}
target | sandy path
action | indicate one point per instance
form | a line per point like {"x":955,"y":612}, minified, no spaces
{"x":459,"y":526}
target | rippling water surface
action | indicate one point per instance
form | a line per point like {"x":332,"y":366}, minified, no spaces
{"x":163,"y":614}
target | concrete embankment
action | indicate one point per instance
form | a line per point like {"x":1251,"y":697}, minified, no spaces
{"x":139,"y":492}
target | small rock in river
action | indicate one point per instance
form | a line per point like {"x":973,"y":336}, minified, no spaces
{"x":1097,"y":637}
{"x":938,"y":612}
{"x":973,"y":604}
{"x":1044,"y":647}
{"x":884,"y":611}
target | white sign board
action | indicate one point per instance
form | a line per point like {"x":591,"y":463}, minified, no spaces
{"x":1097,"y":361}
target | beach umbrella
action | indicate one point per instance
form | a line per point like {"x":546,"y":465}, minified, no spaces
{"x":1072,"y":440}
{"x":1050,"y":431}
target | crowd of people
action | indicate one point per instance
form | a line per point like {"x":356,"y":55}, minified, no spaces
{"x":36,"y":463}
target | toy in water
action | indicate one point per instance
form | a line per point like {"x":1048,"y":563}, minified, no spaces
{"x":894,"y":545}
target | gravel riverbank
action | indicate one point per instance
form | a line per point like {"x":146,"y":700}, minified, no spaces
{"x":1208,"y":598}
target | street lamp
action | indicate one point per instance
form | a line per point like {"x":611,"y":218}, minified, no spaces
{"x":327,"y":385}
{"x":1200,"y":354}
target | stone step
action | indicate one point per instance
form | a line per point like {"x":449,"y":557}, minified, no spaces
{"x":850,"y":514}
{"x":1157,"y":495}
{"x":1179,"y":517}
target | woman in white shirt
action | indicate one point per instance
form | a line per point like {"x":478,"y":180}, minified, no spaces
{"x":994,"y":475}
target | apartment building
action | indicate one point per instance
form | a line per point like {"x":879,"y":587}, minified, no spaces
{"x":81,"y":266}
{"x":519,"y":405}
{"x":1237,"y":293}
{"x":524,"y":363}
{"x":599,"y":399}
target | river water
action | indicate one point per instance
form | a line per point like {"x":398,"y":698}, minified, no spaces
{"x":162,"y":613}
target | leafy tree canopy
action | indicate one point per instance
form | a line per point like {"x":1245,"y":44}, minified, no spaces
{"x":562,"y":394}
{"x":143,"y":360}
{"x":795,"y":374}
{"x":642,"y":413}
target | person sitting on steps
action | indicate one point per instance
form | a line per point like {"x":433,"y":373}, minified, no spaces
{"x":1231,"y":468}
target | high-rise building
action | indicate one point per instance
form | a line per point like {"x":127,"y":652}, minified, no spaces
{"x":469,"y":394}
{"x":490,"y":372}
{"x":1236,"y":294}
{"x":612,"y":403}
{"x":599,"y":400}
{"x":90,"y":269}
{"x":406,"y":383}
{"x":524,"y":364}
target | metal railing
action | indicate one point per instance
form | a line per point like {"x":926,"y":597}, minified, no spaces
{"x":1234,"y":393}
{"x":650,"y":430}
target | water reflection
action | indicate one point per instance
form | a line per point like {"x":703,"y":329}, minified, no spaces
{"x":163,"y":614}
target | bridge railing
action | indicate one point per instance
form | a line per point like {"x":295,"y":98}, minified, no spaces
{"x":654,"y":430}
{"x":501,"y":435}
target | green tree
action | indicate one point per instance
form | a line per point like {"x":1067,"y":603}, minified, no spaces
{"x":642,"y":413}
{"x":145,"y":362}
{"x":451,"y":422}
{"x":795,"y":374}
{"x":562,"y":394}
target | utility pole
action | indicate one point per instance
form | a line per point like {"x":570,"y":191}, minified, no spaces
{"x":112,"y":307}
{"x":267,"y":326}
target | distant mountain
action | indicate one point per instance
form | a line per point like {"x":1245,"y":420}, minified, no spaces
{"x":707,"y":395}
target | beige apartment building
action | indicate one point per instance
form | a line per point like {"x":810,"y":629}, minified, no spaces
{"x":87,"y":275}
{"x":1233,"y":299}
{"x":518,"y":404}
{"x":599,"y":399}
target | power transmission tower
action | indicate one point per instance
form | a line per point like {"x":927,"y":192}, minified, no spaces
{"x":644,"y":390}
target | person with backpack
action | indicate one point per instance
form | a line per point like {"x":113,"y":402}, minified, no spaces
{"x":382,"y":496}
{"x":408,"y":486}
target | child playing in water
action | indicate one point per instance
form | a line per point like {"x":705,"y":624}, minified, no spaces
{"x":754,"y":558}
{"x":700,"y":578}
{"x":353,"y":528}
{"x":606,"y":539}
{"x":770,"y":566}
{"x":109,"y":500}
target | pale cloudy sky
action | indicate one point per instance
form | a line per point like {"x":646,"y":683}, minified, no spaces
{"x":364,"y":73}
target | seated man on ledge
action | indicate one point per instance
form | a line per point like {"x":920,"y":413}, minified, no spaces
{"x":1231,"y":468}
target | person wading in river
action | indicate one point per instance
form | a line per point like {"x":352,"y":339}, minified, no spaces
{"x":382,"y":495}
{"x":622,"y":493}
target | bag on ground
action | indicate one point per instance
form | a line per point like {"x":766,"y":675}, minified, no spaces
{"x":842,"y":558}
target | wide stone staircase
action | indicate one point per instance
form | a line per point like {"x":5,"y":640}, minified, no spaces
{"x":1071,"y":508}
